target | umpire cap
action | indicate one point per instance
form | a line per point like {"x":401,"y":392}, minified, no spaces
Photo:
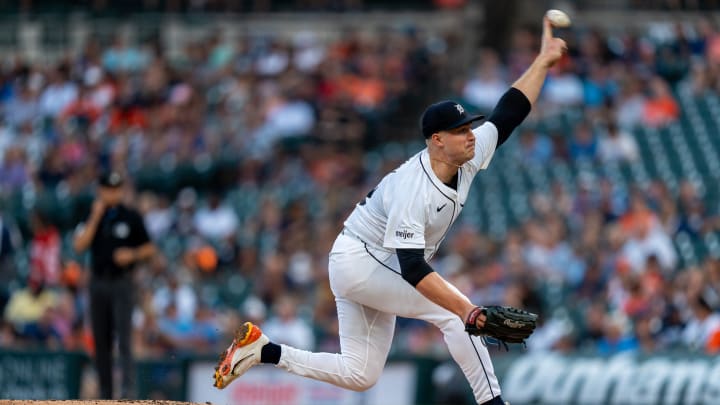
{"x":111,"y":179}
{"x":445,"y":115}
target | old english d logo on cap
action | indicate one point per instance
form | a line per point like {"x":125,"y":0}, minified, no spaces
{"x":443,"y":116}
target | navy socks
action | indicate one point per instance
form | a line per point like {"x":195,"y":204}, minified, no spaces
{"x":270,"y":353}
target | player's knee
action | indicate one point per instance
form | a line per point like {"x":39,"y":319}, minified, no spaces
{"x":361,"y":373}
{"x":363,"y":382}
{"x":363,"y":378}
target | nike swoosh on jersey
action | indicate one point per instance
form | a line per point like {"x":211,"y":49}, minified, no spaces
{"x":441,"y":207}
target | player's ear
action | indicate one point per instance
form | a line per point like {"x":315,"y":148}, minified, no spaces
{"x":436,"y":138}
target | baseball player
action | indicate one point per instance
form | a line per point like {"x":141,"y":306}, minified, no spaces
{"x":378,"y":266}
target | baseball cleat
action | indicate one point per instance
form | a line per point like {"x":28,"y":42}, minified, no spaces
{"x":243,"y":353}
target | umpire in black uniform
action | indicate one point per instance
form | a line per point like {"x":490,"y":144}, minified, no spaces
{"x":117,"y":239}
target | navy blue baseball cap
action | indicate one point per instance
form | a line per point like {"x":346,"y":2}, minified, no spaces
{"x":445,"y":115}
{"x":111,"y":179}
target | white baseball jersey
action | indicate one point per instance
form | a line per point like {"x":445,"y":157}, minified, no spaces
{"x":411,"y":207}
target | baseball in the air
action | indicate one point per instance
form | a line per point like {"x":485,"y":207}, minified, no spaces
{"x":558,"y":18}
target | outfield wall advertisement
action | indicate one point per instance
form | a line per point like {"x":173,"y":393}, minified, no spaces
{"x":546,"y":378}
{"x":540,"y":379}
{"x":267,"y":385}
{"x":40,"y":375}
{"x":621,"y":379}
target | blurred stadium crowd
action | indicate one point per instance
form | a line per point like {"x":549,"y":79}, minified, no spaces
{"x":240,"y":6}
{"x":246,"y":157}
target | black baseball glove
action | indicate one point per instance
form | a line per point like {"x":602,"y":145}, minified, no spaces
{"x":506,"y":324}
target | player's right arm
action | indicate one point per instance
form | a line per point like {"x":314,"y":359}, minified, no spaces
{"x":551,"y":50}
{"x":516,"y":103}
{"x":86,"y":232}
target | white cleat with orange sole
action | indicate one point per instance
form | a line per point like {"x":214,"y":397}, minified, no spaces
{"x":243,"y":353}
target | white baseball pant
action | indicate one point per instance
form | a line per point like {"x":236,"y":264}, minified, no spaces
{"x":369,"y":294}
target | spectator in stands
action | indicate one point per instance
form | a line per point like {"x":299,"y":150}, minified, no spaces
{"x":82,"y":112}
{"x":44,"y":250}
{"x":587,"y":200}
{"x":630,"y":103}
{"x":616,"y":336}
{"x":552,"y":334}
{"x":60,"y":322}
{"x":123,"y":57}
{"x":174,"y":331}
{"x":673,"y":57}
{"x":646,"y":237}
{"x":616,"y":145}
{"x":593,"y":284}
{"x":285,"y":116}
{"x":53,"y":169}
{"x":713,"y":344}
{"x":288,"y":326}
{"x":184,"y":224}
{"x":703,"y":324}
{"x":157,"y":214}
{"x":711,"y":269}
{"x":101,"y":92}
{"x":173,"y":292}
{"x":692,"y":215}
{"x":535,"y":148}
{"x":59,"y":93}
{"x":32,"y":143}
{"x":487,"y":84}
{"x":612,"y":201}
{"x":216,"y":221}
{"x":660,"y":108}
{"x":14,"y":170}
{"x":254,"y":309}
{"x":25,"y":106}
{"x":550,"y":255}
{"x":186,"y":335}
{"x":27,"y":308}
{"x":636,"y":302}
{"x":648,"y":342}
{"x":564,"y":88}
{"x":275,"y":60}
{"x":206,"y":329}
{"x":583,"y":144}
{"x":599,"y":87}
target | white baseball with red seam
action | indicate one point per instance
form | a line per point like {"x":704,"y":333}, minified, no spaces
{"x":558,"y":18}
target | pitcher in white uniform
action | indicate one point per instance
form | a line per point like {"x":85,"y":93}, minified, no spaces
{"x":378,"y":266}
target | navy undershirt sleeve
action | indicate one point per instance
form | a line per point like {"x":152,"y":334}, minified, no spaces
{"x":509,"y":112}
{"x":413,"y":265}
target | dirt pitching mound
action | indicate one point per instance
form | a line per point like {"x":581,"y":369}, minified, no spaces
{"x":97,"y":402}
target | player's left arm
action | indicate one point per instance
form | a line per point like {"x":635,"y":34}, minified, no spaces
{"x":516,"y":103}
{"x":416,"y":271}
